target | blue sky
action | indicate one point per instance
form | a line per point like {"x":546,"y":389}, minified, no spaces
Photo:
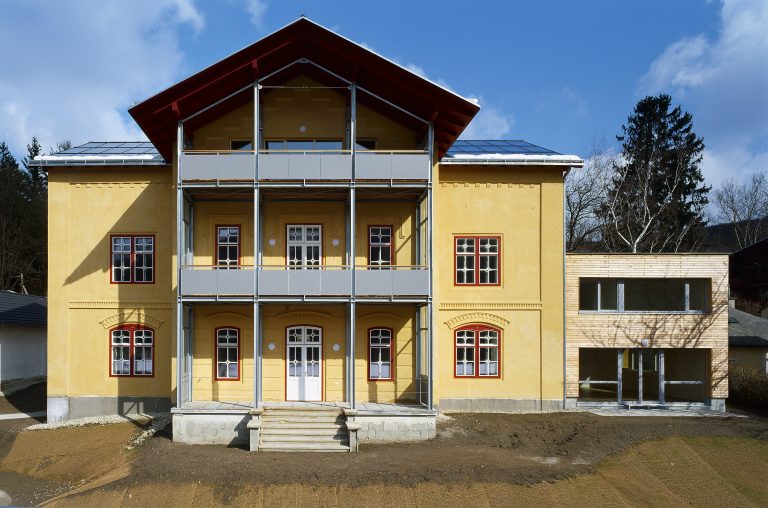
{"x":562,"y":74}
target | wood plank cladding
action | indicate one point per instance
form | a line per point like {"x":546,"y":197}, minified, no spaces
{"x":607,"y":329}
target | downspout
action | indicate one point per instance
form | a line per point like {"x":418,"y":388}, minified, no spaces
{"x":565,"y":379}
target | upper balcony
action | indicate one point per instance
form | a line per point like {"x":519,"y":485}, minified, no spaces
{"x":233,"y":166}
{"x":393,"y":283}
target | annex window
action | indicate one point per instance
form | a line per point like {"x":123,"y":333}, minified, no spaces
{"x":132,"y":351}
{"x":228,"y":353}
{"x":228,"y":246}
{"x":132,"y":259}
{"x":644,"y":295}
{"x":380,"y":353}
{"x":477,"y":352}
{"x":304,"y":145}
{"x":477,"y":260}
{"x":380,"y":247}
{"x":304,"y":246}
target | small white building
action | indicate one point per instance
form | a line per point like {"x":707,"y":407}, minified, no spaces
{"x":23,"y":349}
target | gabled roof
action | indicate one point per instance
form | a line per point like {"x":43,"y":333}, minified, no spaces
{"x":746,"y":330}
{"x":304,"y":39}
{"x":18,"y":309}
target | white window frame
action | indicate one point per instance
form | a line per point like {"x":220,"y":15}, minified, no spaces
{"x":376,"y":343}
{"x":377,"y":246}
{"x":228,"y":262}
{"x":224,"y":342}
{"x":303,"y":262}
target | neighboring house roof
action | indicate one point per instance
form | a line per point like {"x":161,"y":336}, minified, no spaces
{"x":100,"y":153}
{"x":463,"y":151}
{"x":17,"y":309}
{"x":746,"y":330}
{"x":505,"y":152}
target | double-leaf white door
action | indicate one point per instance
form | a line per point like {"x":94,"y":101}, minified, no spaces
{"x":304,"y":363}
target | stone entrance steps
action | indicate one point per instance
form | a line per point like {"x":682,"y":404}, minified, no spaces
{"x":303,"y":429}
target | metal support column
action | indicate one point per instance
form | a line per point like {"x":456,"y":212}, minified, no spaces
{"x":662,"y":385}
{"x":257,"y":371}
{"x":620,"y":375}
{"x":179,"y":251}
{"x":430,"y":249}
{"x":352,"y":232}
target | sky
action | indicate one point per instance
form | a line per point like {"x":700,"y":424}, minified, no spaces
{"x":561,"y":74}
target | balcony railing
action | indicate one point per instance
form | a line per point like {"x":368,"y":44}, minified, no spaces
{"x":392,"y":281}
{"x":228,"y":165}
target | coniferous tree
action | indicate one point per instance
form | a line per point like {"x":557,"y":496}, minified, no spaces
{"x":656,"y":196}
{"x":15,"y":232}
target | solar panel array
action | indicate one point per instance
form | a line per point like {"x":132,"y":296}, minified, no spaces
{"x":512,"y":146}
{"x":114,"y":148}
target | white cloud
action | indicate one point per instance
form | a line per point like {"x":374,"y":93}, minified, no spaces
{"x":188,"y":13}
{"x":256,"y":10}
{"x":723,"y":82}
{"x":83,"y":65}
{"x":490,"y":123}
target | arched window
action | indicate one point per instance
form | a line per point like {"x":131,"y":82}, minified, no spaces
{"x":380,"y":354}
{"x":477,"y":351}
{"x":132,"y":351}
{"x":228,"y":354}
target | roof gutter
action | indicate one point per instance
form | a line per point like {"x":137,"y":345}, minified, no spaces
{"x":97,"y":162}
{"x":512,"y":162}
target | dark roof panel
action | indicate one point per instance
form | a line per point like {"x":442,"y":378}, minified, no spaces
{"x":494,"y":146}
{"x":17,"y":309}
{"x":746,"y":330}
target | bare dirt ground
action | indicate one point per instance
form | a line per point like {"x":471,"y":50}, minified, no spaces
{"x":488,"y":459}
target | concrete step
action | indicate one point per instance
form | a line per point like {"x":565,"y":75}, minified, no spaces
{"x":300,"y":425}
{"x":304,"y":438}
{"x":280,"y":420}
{"x":314,"y":431}
{"x":304,"y":447}
{"x":303,"y":414}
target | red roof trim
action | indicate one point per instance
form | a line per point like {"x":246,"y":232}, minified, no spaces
{"x":158,"y":115}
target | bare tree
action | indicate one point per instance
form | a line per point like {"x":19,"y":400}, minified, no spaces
{"x":745,"y":206}
{"x":585,"y":192}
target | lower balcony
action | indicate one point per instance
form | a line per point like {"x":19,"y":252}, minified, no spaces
{"x":277,"y":281}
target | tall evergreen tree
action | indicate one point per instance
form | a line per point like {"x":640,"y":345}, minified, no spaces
{"x":37,"y":185}
{"x":657,"y":195}
{"x":15,"y":231}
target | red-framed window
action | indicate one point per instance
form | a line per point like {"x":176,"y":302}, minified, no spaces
{"x":228,"y":354}
{"x":477,"y":351}
{"x":381,"y":250}
{"x":132,"y":259}
{"x":380,"y":354}
{"x":477,"y":260}
{"x":132,"y":351}
{"x":228,"y":246}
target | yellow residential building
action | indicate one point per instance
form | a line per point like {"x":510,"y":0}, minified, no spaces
{"x":304,"y":241}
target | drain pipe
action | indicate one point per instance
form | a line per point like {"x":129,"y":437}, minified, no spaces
{"x":565,"y":379}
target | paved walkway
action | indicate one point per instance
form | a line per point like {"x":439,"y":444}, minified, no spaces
{"x":620,"y":411}
{"x":20,"y":416}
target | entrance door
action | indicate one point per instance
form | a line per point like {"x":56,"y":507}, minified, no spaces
{"x":640,"y":375}
{"x":304,"y":345}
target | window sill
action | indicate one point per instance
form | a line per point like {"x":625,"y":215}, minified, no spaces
{"x":647,"y":312}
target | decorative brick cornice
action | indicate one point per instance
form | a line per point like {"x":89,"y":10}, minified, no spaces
{"x":114,"y":304}
{"x":491,"y":306}
{"x":131,"y":317}
{"x":476,"y":317}
{"x":302,"y":316}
